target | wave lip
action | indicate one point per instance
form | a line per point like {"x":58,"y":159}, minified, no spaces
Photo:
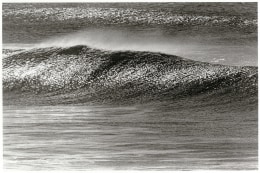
{"x":82,"y":74}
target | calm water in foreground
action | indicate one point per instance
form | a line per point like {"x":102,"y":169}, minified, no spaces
{"x":162,"y":137}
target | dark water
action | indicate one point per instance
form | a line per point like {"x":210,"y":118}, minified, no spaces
{"x":214,"y":128}
{"x":152,"y":137}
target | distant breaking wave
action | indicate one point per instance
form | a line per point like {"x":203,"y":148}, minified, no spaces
{"x":125,"y":16}
{"x":82,"y":74}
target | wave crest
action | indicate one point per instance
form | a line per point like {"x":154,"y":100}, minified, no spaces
{"x":82,"y":74}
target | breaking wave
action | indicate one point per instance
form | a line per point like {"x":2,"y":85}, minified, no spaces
{"x":80,"y":74}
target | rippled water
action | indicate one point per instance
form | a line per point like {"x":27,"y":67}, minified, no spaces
{"x":190,"y":134}
{"x":165,"y":137}
{"x":208,"y":41}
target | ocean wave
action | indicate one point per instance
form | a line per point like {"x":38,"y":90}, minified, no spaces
{"x":83,"y":74}
{"x":133,"y":16}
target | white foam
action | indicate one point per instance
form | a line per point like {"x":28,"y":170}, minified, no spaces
{"x":207,"y":49}
{"x":115,"y":40}
{"x":16,"y":46}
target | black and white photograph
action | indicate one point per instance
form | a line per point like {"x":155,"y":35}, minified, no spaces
{"x":129,"y":86}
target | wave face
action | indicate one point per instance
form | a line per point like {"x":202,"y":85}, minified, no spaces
{"x":81,"y":74}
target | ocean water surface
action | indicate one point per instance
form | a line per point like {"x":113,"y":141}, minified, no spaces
{"x":165,"y":86}
{"x":165,"y":136}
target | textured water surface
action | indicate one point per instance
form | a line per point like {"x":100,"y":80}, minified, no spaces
{"x":162,"y":137}
{"x":224,"y":33}
{"x":130,"y":86}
